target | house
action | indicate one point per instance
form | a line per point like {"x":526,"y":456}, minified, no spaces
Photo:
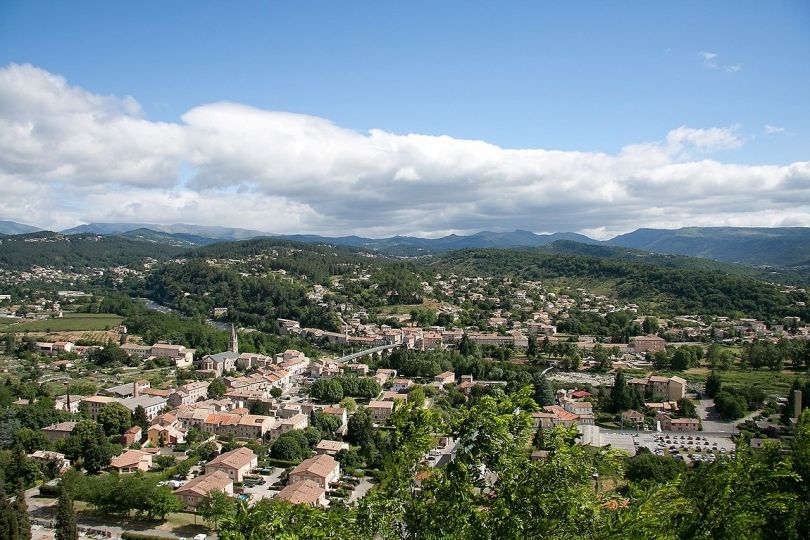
{"x":43,"y":457}
{"x":195,"y":490}
{"x":330,"y":447}
{"x":130,"y":461}
{"x":448,"y":377}
{"x":666,"y":388}
{"x":153,"y":405}
{"x":380,"y":410}
{"x":95,"y":403}
{"x":236,"y":463}
{"x":401,"y":385}
{"x":677,"y":424}
{"x":322,"y":469}
{"x":165,"y":435}
{"x":304,"y":492}
{"x":632,"y":417}
{"x":181,"y":356}
{"x":254,"y":426}
{"x":188,"y":393}
{"x":127,"y":390}
{"x":132,"y":436}
{"x":61,"y":430}
{"x":578,"y":407}
{"x":650,"y":343}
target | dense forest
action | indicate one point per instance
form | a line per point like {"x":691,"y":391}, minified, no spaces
{"x":77,"y":252}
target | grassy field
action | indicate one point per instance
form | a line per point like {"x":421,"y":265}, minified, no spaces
{"x":70,"y":322}
{"x":772,"y":382}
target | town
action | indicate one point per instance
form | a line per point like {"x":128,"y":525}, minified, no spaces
{"x":203,"y":429}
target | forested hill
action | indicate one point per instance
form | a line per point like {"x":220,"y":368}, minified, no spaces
{"x":314,"y":262}
{"x":48,"y":249}
{"x":671,"y":290}
{"x":779,"y":246}
{"x":772,"y":274}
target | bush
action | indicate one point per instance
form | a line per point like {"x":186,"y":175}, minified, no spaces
{"x":140,"y":536}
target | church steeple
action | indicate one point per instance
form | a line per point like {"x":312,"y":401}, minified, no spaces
{"x":233,"y":342}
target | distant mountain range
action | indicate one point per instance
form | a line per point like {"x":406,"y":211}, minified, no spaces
{"x":11,"y":227}
{"x":409,"y":246}
{"x":786,"y":247}
{"x":757,"y":246}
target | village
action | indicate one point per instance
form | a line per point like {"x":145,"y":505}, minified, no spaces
{"x":252,"y":426}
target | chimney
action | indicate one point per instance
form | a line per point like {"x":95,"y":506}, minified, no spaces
{"x":135,"y":389}
{"x":797,"y":404}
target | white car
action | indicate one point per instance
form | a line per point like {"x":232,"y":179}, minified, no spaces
{"x":200,"y":536}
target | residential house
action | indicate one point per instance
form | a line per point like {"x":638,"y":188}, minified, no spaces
{"x":130,"y":461}
{"x":304,"y":492}
{"x":153,"y":405}
{"x":649,"y":343}
{"x":322,"y":469}
{"x":195,"y":490}
{"x":380,"y":410}
{"x":95,"y":403}
{"x":330,"y":447}
{"x":448,"y":377}
{"x":132,"y":436}
{"x":61,"y":430}
{"x":236,"y":463}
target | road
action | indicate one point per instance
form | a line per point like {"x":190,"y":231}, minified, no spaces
{"x":713,"y":423}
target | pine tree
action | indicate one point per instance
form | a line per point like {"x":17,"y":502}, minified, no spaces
{"x":66,"y":518}
{"x":9,"y":525}
{"x":619,"y":397}
{"x":543,"y":391}
{"x":713,"y":384}
{"x":21,"y":508}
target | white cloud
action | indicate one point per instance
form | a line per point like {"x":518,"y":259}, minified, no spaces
{"x":68,"y":156}
{"x":773,"y":130}
{"x":710,"y":61}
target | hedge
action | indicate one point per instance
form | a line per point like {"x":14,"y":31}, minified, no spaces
{"x":140,"y":536}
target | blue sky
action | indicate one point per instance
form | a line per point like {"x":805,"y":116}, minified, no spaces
{"x":575,"y":76}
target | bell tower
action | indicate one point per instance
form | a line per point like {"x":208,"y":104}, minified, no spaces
{"x":233,"y":342}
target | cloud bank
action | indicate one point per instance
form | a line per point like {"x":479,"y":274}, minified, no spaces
{"x":69,"y":156}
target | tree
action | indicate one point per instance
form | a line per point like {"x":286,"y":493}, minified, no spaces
{"x":730,"y":406}
{"x":31,"y":440}
{"x":9,"y":524}
{"x":66,"y":518}
{"x":161,"y":501}
{"x":139,"y":418}
{"x":532,"y":350}
{"x":89,"y":443}
{"x":327,"y":390}
{"x":276,"y":392}
{"x":349,"y":404}
{"x":713,"y":384}
{"x":215,"y":506}
{"x":114,"y":418}
{"x":216,"y":389}
{"x":620,"y":398}
{"x":543,"y":391}
{"x":416,"y":395}
{"x":360,"y":429}
{"x":650,"y":325}
{"x":326,"y":423}
{"x":290,"y":447}
{"x":21,"y":508}
{"x":646,"y":466}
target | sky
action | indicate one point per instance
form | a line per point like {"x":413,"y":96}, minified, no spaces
{"x":425,"y":118}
